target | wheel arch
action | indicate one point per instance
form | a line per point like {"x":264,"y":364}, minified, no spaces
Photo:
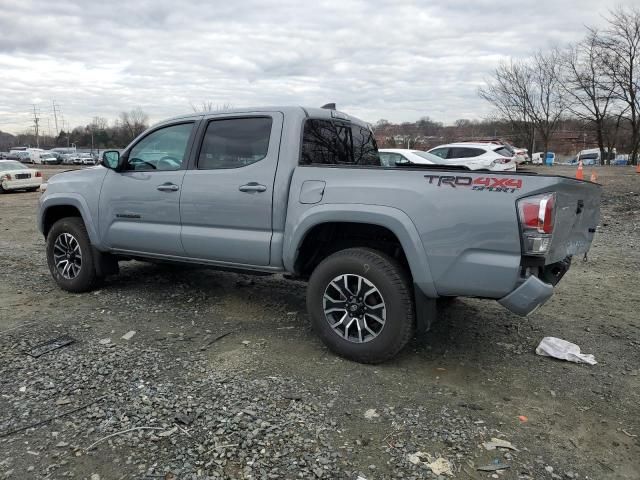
{"x":376,"y":217}
{"x":54,"y":208}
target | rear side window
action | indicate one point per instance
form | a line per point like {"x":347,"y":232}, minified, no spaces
{"x":465,"y":152}
{"x":335,"y":143}
{"x":504,"y":151}
{"x":234,"y":143}
{"x":440,"y":152}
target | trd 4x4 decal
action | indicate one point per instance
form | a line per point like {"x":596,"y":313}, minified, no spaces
{"x":489,"y":184}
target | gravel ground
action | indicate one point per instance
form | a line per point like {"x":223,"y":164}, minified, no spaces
{"x":223,"y":377}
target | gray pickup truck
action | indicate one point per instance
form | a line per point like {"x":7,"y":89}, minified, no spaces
{"x":302,"y":191}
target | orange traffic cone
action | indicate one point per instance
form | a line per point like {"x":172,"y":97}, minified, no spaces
{"x":594,"y":177}
{"x":579,"y":173}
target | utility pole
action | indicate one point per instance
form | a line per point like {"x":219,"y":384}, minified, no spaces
{"x":36,"y":121}
{"x":55,"y":117}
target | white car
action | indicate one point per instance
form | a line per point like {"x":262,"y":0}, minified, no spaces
{"x":393,"y":157}
{"x":476,"y":156}
{"x":16,"y":176}
{"x":86,"y":159}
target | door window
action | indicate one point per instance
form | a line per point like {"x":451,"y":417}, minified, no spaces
{"x":234,"y":143}
{"x":388,"y":159}
{"x":163,"y":149}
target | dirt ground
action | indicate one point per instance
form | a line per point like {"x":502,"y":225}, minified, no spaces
{"x":268,"y":400}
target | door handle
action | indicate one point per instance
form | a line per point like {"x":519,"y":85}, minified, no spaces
{"x":252,"y":187}
{"x":168,"y":187}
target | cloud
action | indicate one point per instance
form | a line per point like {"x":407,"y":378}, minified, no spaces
{"x":398,"y":60}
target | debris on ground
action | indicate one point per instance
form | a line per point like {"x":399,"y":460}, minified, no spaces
{"x":439,"y":466}
{"x":129,"y":335}
{"x":563,"y":350}
{"x":499,"y":443}
{"x":50,"y":345}
{"x":104,"y":341}
{"x":494,"y":467}
{"x":371,"y":413}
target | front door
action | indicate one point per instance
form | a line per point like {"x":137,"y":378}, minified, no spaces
{"x":227,"y":197}
{"x":140,"y":205}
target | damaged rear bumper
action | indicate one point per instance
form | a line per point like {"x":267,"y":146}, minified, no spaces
{"x":530,"y":295}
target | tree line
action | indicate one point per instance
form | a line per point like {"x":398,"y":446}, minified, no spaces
{"x":596,"y":81}
{"x":98,"y":134}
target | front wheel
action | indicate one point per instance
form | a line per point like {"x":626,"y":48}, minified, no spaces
{"x":361,"y":305}
{"x":69,"y":256}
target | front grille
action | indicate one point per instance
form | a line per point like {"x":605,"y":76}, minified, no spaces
{"x":21,"y":176}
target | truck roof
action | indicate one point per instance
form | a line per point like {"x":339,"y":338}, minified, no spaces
{"x":309,"y":112}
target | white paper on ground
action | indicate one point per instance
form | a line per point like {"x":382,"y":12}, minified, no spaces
{"x":563,"y":350}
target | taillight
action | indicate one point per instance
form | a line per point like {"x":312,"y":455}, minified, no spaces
{"x":502,"y":160}
{"x":6,"y":177}
{"x":537,"y":215}
{"x":38,"y":174}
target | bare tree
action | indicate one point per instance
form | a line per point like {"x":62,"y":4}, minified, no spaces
{"x":209,"y":106}
{"x":621,"y":43}
{"x":589,"y":89}
{"x":133,"y":122}
{"x":527,"y":94}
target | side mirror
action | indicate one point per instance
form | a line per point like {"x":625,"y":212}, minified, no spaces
{"x":111,"y":159}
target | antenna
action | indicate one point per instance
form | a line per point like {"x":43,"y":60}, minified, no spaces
{"x":329,"y":106}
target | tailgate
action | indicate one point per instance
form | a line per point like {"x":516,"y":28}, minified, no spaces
{"x":576,"y":218}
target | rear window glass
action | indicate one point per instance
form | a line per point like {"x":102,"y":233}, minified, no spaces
{"x":504,"y":151}
{"x":336,"y":143}
{"x":11,"y":166}
{"x":589,"y":156}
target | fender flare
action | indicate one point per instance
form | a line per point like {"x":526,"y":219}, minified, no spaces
{"x":72,"y":200}
{"x":391,"y":218}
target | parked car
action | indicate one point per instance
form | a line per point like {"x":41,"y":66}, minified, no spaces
{"x":67,"y":158}
{"x":303,"y":192}
{"x":393,"y":157}
{"x":87,"y":159}
{"x":50,"y":159}
{"x":521,"y":155}
{"x":537,"y":158}
{"x":589,"y":157}
{"x":16,"y":176}
{"x":476,"y":156}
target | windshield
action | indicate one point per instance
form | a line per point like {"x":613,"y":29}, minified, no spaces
{"x":12,"y":166}
{"x":429,"y":156}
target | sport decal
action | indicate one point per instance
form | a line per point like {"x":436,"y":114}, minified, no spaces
{"x":488,"y":184}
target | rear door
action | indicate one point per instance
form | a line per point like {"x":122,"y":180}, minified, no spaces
{"x":228,"y":194}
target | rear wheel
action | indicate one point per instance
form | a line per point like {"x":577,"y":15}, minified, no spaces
{"x":361,"y":305}
{"x":69,"y":256}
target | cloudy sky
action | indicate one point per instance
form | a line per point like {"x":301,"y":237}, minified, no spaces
{"x":392,"y":59}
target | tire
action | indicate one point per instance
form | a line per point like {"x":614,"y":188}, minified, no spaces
{"x":393,"y":286}
{"x":85,"y":278}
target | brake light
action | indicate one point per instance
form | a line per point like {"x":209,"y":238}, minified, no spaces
{"x":502,"y":160}
{"x":38,"y":174}
{"x":537,"y":217}
{"x":6,"y":177}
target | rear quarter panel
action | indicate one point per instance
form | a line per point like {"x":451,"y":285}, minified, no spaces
{"x":469,"y":234}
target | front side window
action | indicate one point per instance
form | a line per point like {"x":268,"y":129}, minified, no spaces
{"x":338,"y":143}
{"x":234,"y":143}
{"x":161,"y":150}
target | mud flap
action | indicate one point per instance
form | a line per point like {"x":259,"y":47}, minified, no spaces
{"x":105,"y":263}
{"x":426,"y":311}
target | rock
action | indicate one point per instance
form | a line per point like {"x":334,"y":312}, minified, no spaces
{"x":105,"y":341}
{"x":549,"y":469}
{"x":62,"y":444}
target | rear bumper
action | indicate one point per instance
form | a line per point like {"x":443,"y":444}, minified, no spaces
{"x":525,"y":299}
